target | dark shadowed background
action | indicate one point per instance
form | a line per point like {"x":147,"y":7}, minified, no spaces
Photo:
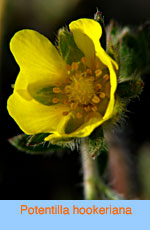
{"x":24,"y":176}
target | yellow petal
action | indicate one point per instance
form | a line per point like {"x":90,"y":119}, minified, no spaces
{"x":38,"y":59}
{"x":84,"y":130}
{"x":29,"y":91}
{"x":87,"y":32}
{"x":33,"y":117}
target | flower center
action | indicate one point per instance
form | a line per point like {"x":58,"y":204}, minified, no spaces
{"x":81,"y":89}
{"x":86,"y":90}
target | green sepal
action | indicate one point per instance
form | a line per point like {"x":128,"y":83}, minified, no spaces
{"x":100,"y":19}
{"x":130,"y":88}
{"x":67,"y":47}
{"x":96,"y":142}
{"x":37,"y":139}
{"x":42,"y":94}
{"x":71,"y":143}
{"x":113,"y":52}
{"x":118,"y":115}
{"x":21,"y":142}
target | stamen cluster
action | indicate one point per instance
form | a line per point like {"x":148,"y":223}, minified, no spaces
{"x":85,"y":90}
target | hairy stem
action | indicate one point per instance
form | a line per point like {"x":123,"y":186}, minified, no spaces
{"x":94,"y":187}
{"x":90,"y":172}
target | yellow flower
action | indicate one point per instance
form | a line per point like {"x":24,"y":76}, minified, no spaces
{"x":53,"y":97}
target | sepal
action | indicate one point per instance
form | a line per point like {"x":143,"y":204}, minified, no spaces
{"x":70,"y":143}
{"x":37,"y":139}
{"x":96,"y":143}
{"x":67,"y":47}
{"x":24,"y":143}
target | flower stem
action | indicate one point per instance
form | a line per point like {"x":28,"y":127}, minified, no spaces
{"x":94,"y":187}
{"x":90,"y":172}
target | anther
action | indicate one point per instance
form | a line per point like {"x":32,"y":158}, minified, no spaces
{"x":87,"y":108}
{"x":65,"y":113}
{"x":102,"y":95}
{"x":57,"y":84}
{"x":89,"y":71}
{"x":98,"y":86}
{"x":74,"y":66}
{"x":68,"y":67}
{"x":56,"y":90}
{"x":66,"y":102}
{"x":106,"y":77}
{"x":79,"y":115}
{"x":98,"y":72}
{"x":83,"y":60}
{"x":55,"y":100}
{"x":95,"y":99}
{"x":94,"y":108}
{"x":74,"y":105}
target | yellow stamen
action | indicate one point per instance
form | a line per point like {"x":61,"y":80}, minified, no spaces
{"x":55,"y":100}
{"x":79,"y":115}
{"x":98,"y":72}
{"x":95,"y":99}
{"x":83,"y":60}
{"x":56,"y":90}
{"x":106,"y":77}
{"x":89,"y":71}
{"x":102,"y":95}
{"x":65,"y":113}
{"x":74,"y":66}
{"x":94,"y":108}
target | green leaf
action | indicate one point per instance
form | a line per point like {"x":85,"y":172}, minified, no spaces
{"x":67,"y":47}
{"x":21,"y":142}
